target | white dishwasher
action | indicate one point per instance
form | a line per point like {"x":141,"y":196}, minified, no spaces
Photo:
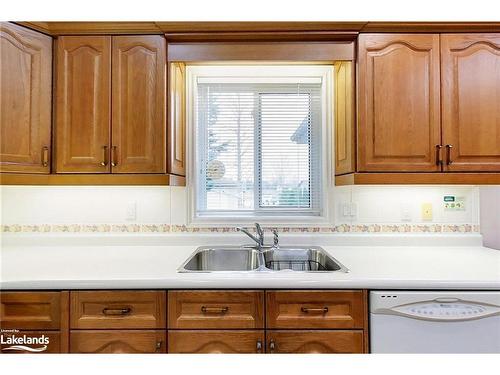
{"x":434,"y":322}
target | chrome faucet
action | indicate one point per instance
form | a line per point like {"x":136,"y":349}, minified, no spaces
{"x":259,"y":240}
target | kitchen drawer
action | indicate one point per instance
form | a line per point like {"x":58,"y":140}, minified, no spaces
{"x":30,"y":310}
{"x":215,"y":309}
{"x":216,"y":341}
{"x":118,"y":341}
{"x":118,"y":310}
{"x":319,"y":341}
{"x":319,"y":309}
{"x":53,"y":345}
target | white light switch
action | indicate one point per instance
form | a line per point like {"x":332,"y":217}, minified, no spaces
{"x":131,"y":211}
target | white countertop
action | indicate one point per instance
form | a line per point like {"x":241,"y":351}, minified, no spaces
{"x":58,"y":265}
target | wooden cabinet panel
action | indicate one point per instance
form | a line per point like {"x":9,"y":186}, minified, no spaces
{"x":30,"y":310}
{"x":216,"y":342}
{"x":398,"y":102}
{"x":471,"y":101}
{"x":108,"y":342}
{"x":177,"y":120}
{"x":315,"y":309}
{"x":344,"y":135}
{"x":139,"y":104}
{"x":82,"y":126}
{"x":53,"y":344}
{"x":25,"y":99}
{"x":118,"y":309}
{"x":341,"y":341}
{"x":215,"y":309}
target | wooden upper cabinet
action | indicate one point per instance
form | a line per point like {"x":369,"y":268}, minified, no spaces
{"x":25,"y":99}
{"x":82,"y":126}
{"x":177,"y":120}
{"x":399,"y":102}
{"x":139,"y":104}
{"x":470,"y":66}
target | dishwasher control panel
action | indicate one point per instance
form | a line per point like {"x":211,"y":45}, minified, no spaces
{"x":442,"y":310}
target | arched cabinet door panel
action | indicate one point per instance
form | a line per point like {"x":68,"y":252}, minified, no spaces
{"x":315,"y":342}
{"x":399,"y":102}
{"x":471,"y":101}
{"x":118,"y":341}
{"x":82,"y":123}
{"x":25,"y":99}
{"x":215,"y":342}
{"x":139,"y":104}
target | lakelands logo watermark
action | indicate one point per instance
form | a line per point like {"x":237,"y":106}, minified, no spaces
{"x":12,"y":340}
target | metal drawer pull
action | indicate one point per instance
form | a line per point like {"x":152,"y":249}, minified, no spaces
{"x":272,"y":346}
{"x":322,"y":310}
{"x":259,"y":346}
{"x":214,"y":310}
{"x":439,"y":159}
{"x":104,"y":161}
{"x":45,"y":156}
{"x":114,"y":161}
{"x":448,"y":154}
{"x":116,"y":310}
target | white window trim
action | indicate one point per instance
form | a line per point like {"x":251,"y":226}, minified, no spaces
{"x":282,"y":72}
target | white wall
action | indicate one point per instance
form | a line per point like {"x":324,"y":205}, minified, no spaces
{"x":168,"y":205}
{"x":490,"y":215}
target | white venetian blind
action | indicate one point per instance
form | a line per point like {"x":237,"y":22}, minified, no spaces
{"x":259,"y":145}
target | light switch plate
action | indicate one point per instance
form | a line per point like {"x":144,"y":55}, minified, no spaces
{"x":131,"y":211}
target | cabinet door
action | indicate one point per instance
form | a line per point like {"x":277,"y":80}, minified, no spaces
{"x":109,"y":342}
{"x":25,"y":99}
{"x":83,"y":71}
{"x":471,"y":101}
{"x":399,"y":102}
{"x":177,"y":120}
{"x":342,"y":341}
{"x":139,"y":104}
{"x":216,"y":342}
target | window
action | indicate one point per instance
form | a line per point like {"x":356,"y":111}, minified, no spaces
{"x":259,"y":138}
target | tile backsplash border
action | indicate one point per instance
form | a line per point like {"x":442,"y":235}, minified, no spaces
{"x":168,"y":228}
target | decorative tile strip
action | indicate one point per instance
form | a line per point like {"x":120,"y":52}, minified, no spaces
{"x":166,"y":228}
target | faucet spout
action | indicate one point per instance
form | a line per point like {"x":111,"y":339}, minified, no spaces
{"x":259,"y":239}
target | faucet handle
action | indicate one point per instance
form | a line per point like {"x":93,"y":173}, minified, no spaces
{"x":276,"y":238}
{"x":260,"y":233}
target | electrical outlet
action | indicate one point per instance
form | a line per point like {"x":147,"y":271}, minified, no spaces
{"x":131,"y":211}
{"x":427,"y":211}
{"x":406,"y":212}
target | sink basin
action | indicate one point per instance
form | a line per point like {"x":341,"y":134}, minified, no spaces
{"x":221,"y":258}
{"x":310,"y":259}
{"x":245,"y":259}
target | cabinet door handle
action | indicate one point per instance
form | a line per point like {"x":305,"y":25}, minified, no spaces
{"x":439,"y":159}
{"x":104,"y":161}
{"x":45,"y":156}
{"x":214,"y":310}
{"x":272,"y":346}
{"x":259,"y":346}
{"x":448,"y":154}
{"x":158,"y":345}
{"x":116,"y":310}
{"x":322,"y":310}
{"x":114,"y":161}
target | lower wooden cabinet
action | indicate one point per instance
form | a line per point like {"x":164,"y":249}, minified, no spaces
{"x":220,"y":341}
{"x":118,"y":341}
{"x":338,"y":341}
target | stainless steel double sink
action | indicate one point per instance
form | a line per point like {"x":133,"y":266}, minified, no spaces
{"x":250,"y":259}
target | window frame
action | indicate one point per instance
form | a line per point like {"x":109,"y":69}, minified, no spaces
{"x":278,"y":73}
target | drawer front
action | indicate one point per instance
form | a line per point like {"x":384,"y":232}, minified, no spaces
{"x":117,"y":341}
{"x":118,"y":309}
{"x":215,"y":309}
{"x":340,"y":341}
{"x":30,"y":310}
{"x":315,"y":309}
{"x":36,"y":342}
{"x":216,"y":342}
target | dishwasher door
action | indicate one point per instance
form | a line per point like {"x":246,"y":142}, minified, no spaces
{"x":434,"y":322}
